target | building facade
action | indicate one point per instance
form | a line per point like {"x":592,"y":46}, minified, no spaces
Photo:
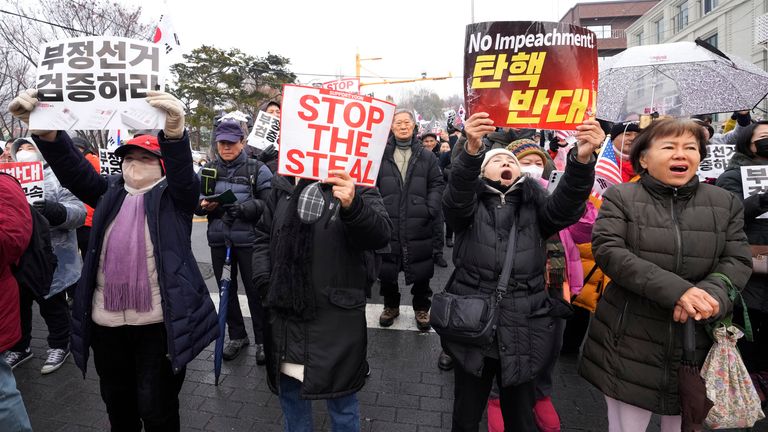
{"x":609,"y":21}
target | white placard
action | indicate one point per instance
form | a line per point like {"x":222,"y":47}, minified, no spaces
{"x":718,"y":156}
{"x":324,"y":130}
{"x":30,"y":175}
{"x":266,"y":131}
{"x":754,"y":180}
{"x":97,"y":83}
{"x":109,"y":163}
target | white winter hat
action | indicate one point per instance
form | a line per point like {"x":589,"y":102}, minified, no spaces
{"x":495,"y":152}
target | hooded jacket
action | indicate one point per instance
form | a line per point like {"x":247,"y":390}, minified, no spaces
{"x":16,"y":221}
{"x":64,"y":236}
{"x":756,"y":291}
{"x":332,"y":346}
{"x":413,"y":206}
{"x":482,"y":218}
{"x":655,"y":242}
{"x":188,"y":312}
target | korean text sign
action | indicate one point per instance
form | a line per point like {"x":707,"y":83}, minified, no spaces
{"x":324,"y":130}
{"x":754,"y":180}
{"x":266,"y":131}
{"x":30,"y":175}
{"x":97,"y":83}
{"x":717,"y":159}
{"x":109,"y":163}
{"x":531,"y":74}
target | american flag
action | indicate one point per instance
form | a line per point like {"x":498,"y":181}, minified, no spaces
{"x":607,"y":166}
{"x":564,"y":134}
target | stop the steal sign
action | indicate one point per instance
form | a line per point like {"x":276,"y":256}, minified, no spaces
{"x":324,"y":130}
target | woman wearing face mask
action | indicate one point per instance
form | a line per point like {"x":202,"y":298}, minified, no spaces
{"x":752,"y":150}
{"x":65,"y":214}
{"x":486,"y":198}
{"x":141,"y":303}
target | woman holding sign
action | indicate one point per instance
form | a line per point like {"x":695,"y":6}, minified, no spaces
{"x":490,"y":204}
{"x":141,"y":303}
{"x":668,"y":243}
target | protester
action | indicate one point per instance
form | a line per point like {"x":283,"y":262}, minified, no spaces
{"x":411,"y":185}
{"x":142,"y":304}
{"x":233,"y":227}
{"x":660,"y":240}
{"x":65,"y":214}
{"x":269,"y":155}
{"x":314,"y":277}
{"x":6,"y":155}
{"x":486,"y":197}
{"x":429,"y":140}
{"x":622,"y":138}
{"x":752,"y":151}
{"x":84,"y":232}
{"x":15,"y":233}
{"x":743,"y":119}
{"x":444,"y":162}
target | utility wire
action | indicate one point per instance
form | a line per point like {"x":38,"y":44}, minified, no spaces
{"x":46,"y":22}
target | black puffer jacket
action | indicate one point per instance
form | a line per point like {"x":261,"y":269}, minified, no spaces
{"x":482,"y":218}
{"x":756,"y":291}
{"x":333,"y":346}
{"x":412,"y":206}
{"x":655,"y":242}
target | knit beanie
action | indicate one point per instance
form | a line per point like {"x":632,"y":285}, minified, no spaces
{"x":619,"y":128}
{"x":524,"y":147}
{"x":491,"y":153}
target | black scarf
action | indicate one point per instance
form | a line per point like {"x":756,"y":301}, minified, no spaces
{"x":291,"y":293}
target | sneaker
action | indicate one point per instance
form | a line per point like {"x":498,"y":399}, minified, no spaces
{"x":56,"y":358}
{"x":388,"y":316}
{"x":422,"y":320}
{"x":15,"y":358}
{"x":449,"y":242}
{"x":261,"y":357}
{"x":546,"y":417}
{"x":445,"y":362}
{"x":440,"y":261}
{"x":233,"y":348}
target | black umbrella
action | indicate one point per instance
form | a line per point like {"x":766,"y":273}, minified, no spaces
{"x":691,"y":388}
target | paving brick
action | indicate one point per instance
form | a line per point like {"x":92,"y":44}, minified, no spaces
{"x":221,"y":407}
{"x":418,"y":417}
{"x":375,"y":413}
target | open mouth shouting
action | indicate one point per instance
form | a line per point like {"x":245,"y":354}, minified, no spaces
{"x":506,"y":174}
{"x":679,"y":169}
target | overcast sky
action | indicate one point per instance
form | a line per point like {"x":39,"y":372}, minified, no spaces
{"x":321,"y":37}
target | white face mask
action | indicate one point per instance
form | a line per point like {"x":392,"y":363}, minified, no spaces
{"x":27,"y":156}
{"x":532,"y":171}
{"x":138,"y":175}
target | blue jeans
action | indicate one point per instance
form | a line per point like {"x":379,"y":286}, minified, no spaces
{"x":297,"y":412}
{"x":13,"y":415}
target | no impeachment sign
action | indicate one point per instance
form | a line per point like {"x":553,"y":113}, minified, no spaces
{"x":324,"y":130}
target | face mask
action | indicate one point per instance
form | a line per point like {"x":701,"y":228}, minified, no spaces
{"x":761,"y":147}
{"x":27,"y":156}
{"x":138,"y":175}
{"x":532,"y":171}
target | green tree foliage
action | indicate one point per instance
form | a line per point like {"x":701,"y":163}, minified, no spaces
{"x":211,"y":80}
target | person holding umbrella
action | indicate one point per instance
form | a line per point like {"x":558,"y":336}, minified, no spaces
{"x":662,"y":241}
{"x":141,"y":303}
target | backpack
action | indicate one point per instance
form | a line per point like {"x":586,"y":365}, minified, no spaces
{"x":38,"y":262}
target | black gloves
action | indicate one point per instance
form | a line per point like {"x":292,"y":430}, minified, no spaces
{"x":268,"y":154}
{"x":53,"y":211}
{"x":247,"y":211}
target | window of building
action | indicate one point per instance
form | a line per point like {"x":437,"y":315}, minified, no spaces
{"x":712,"y":40}
{"x":708,"y":5}
{"x":659,"y":26}
{"x":640,"y":37}
{"x":601,"y":31}
{"x":681,"y":19}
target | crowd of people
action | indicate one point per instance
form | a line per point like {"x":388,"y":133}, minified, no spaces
{"x":654,"y":251}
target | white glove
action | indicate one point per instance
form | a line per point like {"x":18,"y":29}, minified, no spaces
{"x":21,"y":106}
{"x":174,"y":110}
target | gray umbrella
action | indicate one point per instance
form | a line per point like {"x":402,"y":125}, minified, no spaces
{"x":678,"y":79}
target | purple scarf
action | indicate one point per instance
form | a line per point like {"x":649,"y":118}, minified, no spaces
{"x":125,"y":260}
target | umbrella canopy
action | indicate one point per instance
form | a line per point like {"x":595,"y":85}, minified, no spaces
{"x":679,"y":79}
{"x":218,"y":352}
{"x":694,"y":404}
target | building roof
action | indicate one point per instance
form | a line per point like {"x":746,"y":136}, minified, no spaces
{"x":616,"y":8}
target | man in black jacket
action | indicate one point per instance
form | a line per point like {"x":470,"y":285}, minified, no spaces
{"x":411,"y":185}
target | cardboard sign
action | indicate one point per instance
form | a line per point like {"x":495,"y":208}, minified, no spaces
{"x":97,"y":83}
{"x":718,"y":156}
{"x":531,"y":74}
{"x":266,"y":131}
{"x":349,"y":85}
{"x":109,"y":163}
{"x":754,"y":180}
{"x":30,"y":175}
{"x":324,"y":130}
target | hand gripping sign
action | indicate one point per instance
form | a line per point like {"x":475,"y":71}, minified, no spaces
{"x":97,"y":83}
{"x":30,"y":175}
{"x":531,"y":74}
{"x":324,"y":130}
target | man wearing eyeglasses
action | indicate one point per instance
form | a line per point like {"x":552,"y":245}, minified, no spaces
{"x":411,"y":186}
